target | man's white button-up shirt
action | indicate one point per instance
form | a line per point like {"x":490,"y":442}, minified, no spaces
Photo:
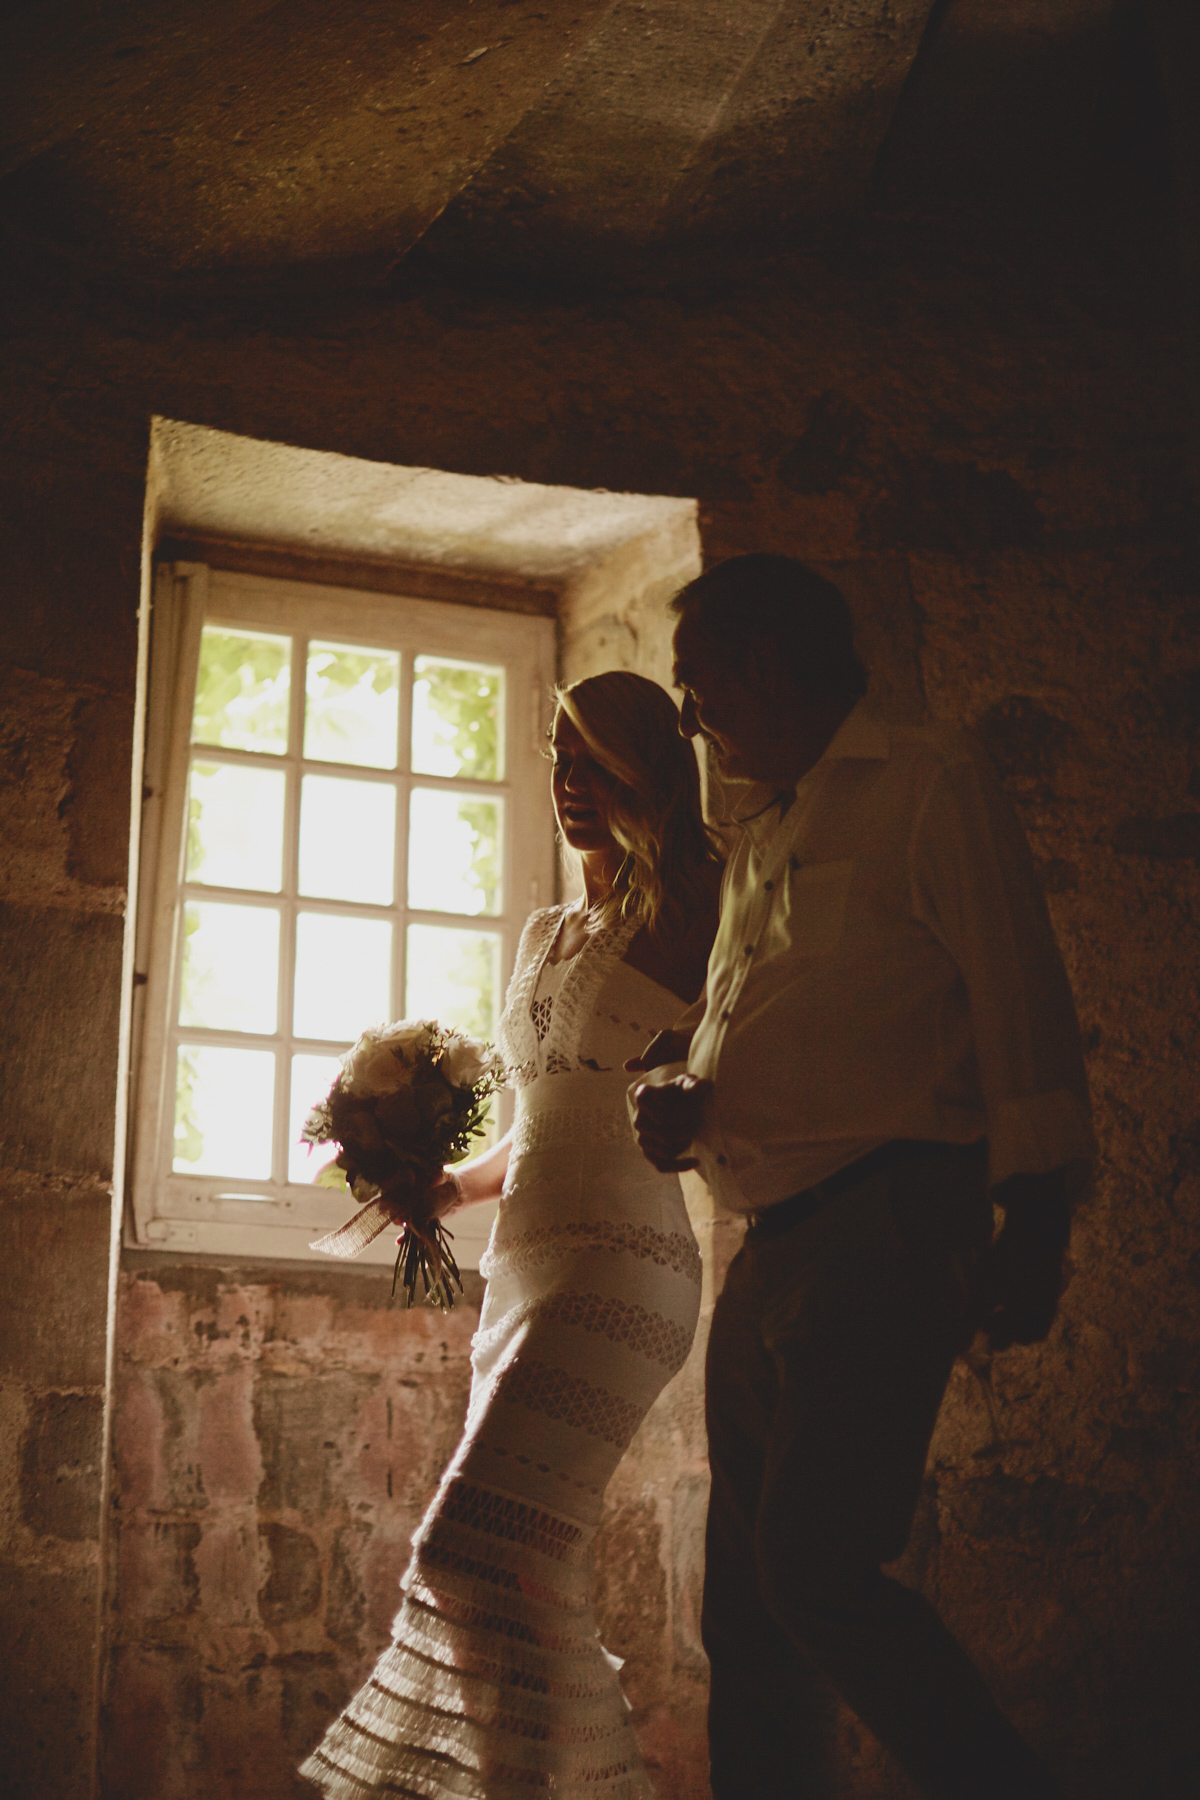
{"x":884,"y":968}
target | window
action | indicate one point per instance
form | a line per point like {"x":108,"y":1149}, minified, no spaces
{"x":347,"y":821}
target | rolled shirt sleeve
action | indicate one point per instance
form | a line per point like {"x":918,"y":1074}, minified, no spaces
{"x":975,"y":889}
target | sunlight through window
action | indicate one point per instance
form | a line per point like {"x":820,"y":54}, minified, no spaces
{"x":335,"y":965}
{"x":353,"y":830}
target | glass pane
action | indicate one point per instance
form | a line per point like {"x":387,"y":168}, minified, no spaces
{"x":312,"y":1077}
{"x":224,"y":1112}
{"x":454,"y":977}
{"x":352,"y":700}
{"x":453,"y":852}
{"x":230,"y":978}
{"x":235,"y":826}
{"x":347,"y":839}
{"x":343,"y":975}
{"x":242,"y":689}
{"x":458,"y":719}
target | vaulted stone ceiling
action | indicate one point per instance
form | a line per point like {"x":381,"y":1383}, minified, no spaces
{"x":238,"y":139}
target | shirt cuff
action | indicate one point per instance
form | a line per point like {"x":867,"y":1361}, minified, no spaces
{"x":1038,"y":1133}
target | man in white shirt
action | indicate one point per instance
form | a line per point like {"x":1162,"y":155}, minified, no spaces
{"x":887,"y":1043}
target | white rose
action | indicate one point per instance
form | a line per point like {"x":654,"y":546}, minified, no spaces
{"x":380,"y":1061}
{"x":370,"y":1069}
{"x":466,"y":1060}
{"x":410,"y":1038}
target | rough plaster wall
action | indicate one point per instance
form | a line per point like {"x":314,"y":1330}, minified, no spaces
{"x":981,"y":436}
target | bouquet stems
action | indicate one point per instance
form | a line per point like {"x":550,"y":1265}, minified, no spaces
{"x":425,"y":1256}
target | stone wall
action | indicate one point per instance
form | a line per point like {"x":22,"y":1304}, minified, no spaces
{"x":980,"y":432}
{"x":68,"y":679}
{"x":278,"y":1434}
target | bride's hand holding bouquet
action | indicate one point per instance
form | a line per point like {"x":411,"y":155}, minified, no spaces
{"x":409,"y":1098}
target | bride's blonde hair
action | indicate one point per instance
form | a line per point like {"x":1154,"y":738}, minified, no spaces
{"x":631,"y":726}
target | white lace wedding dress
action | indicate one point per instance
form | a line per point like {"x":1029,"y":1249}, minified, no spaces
{"x":496,"y":1685}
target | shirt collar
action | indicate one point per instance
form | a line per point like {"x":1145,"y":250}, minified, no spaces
{"x":859,"y":736}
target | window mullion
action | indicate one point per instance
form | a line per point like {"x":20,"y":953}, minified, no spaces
{"x":403,"y":790}
{"x":162,"y":999}
{"x":290,"y":898}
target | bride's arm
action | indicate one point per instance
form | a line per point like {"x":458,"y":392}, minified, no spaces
{"x":470,"y":1183}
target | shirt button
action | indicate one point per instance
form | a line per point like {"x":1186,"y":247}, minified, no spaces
{"x":769,"y":886}
{"x":724,"y":1161}
{"x":749,"y":949}
{"x":727,"y":1014}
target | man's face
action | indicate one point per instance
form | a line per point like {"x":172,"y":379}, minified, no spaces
{"x":724,"y":705}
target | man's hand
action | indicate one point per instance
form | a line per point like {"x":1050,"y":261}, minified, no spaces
{"x":1026,"y":1271}
{"x":668,"y":1118}
{"x":667,"y":1047}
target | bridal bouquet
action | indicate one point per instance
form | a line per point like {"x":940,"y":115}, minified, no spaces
{"x":409,"y":1098}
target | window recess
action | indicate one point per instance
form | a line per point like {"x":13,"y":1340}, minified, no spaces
{"x":347,"y":820}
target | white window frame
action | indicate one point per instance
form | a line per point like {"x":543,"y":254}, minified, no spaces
{"x":180,"y":1212}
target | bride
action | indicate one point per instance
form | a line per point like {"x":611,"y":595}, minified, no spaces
{"x":496,"y":1685}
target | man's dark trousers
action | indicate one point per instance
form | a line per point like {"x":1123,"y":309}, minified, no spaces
{"x":831,"y":1346}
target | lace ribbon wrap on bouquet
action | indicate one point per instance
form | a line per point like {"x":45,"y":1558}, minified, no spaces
{"x":409,"y":1098}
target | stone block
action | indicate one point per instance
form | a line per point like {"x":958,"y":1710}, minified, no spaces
{"x":60,"y":991}
{"x":689,"y":1514}
{"x":959,"y":506}
{"x":157,"y":1577}
{"x":293,"y":1586}
{"x":227,"y":1450}
{"x":314,"y":1690}
{"x":384,"y":1560}
{"x":53,"y":1282}
{"x":632,"y":1592}
{"x":346,"y":1609}
{"x":154,"y":1707}
{"x":887,"y":631}
{"x":71,"y":546}
{"x":139,"y":1441}
{"x":304,"y":1428}
{"x":1175,"y":838}
{"x":36,"y":733}
{"x":1025,"y":742}
{"x":228,"y":1562}
{"x":158,"y":1439}
{"x":96,"y":806}
{"x":60,"y":1466}
{"x":46,"y":1695}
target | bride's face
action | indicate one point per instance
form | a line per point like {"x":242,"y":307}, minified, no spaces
{"x":582,"y":788}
